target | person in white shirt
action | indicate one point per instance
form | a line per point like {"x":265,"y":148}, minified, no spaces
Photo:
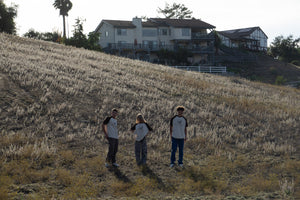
{"x":141,"y":129}
{"x":178,"y":133}
{"x":110,"y":130}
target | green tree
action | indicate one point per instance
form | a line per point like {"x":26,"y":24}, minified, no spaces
{"x":64,"y":7}
{"x":7,"y":16}
{"x":48,"y":36}
{"x":32,"y":34}
{"x":79,"y":38}
{"x":217,"y":42}
{"x":286,"y":49}
{"x":175,"y":11}
{"x":93,"y":39}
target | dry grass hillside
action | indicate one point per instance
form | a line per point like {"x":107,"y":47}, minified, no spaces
{"x":243,"y":137}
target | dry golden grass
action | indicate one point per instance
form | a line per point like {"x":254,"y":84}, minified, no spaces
{"x":243,"y":137}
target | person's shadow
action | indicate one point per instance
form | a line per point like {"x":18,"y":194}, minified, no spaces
{"x":119,"y":174}
{"x":146,"y":171}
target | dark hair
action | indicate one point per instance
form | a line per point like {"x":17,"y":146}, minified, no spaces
{"x":114,"y":110}
{"x":140,"y":119}
{"x":180,"y":108}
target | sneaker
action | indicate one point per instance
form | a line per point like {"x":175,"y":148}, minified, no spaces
{"x":181,"y":165}
{"x":106,"y":165}
{"x":171,"y":165}
{"x":115,"y":165}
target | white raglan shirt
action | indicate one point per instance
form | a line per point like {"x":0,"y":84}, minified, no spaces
{"x":141,"y":131}
{"x":112,"y":128}
{"x":179,"y":124}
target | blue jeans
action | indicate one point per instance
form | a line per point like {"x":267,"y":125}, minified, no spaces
{"x":180,"y":144}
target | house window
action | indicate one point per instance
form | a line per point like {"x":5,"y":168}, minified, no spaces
{"x":149,"y":33}
{"x":163,"y":31}
{"x":121,"y":31}
{"x":106,"y":33}
{"x":162,"y":43}
{"x":150,"y":44}
{"x":186,"y":32}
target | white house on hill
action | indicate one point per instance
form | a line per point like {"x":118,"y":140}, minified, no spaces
{"x":144,"y":39}
{"x":252,"y":38}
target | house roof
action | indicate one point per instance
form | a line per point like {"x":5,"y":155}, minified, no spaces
{"x":182,"y":23}
{"x":240,"y":33}
{"x":160,"y":22}
{"x":120,"y":23}
{"x":149,"y":24}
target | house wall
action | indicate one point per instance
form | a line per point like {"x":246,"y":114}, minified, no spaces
{"x":164,"y":39}
{"x":128,"y":38}
{"x":225,"y":40}
{"x":176,"y":33}
{"x":138,"y":31}
{"x":107,"y":35}
{"x":263,"y":40}
{"x":150,"y":38}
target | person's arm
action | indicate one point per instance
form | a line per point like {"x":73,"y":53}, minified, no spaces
{"x":133,"y":128}
{"x":171,"y":127}
{"x":149,"y":127}
{"x":185,"y":129}
{"x":104,"y":128}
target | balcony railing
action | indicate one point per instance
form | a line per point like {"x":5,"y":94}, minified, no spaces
{"x":203,"y":69}
{"x":198,"y":36}
{"x":153,"y":47}
{"x":146,"y":47}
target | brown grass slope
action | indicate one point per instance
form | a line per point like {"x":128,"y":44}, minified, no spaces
{"x":243,"y":140}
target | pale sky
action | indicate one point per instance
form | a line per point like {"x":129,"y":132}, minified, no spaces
{"x":274,"y":17}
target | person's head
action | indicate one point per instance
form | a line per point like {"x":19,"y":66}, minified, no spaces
{"x":140,"y":119}
{"x":180,"y":110}
{"x":114,"y":112}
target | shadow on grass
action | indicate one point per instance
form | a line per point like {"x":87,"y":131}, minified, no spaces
{"x":119,"y":174}
{"x":146,"y":171}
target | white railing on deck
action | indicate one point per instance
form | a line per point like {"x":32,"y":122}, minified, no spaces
{"x":204,"y":69}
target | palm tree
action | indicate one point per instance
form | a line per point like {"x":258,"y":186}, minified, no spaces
{"x":64,"y":7}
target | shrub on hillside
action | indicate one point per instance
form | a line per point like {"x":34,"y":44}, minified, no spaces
{"x":280,"y":80}
{"x":296,"y":62}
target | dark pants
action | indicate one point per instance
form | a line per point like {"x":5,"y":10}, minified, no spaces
{"x":177,"y":143}
{"x":141,"y":151}
{"x":112,"y":150}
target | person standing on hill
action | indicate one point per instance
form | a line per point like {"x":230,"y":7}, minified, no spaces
{"x":178,"y":133}
{"x":110,"y":130}
{"x":141,"y":128}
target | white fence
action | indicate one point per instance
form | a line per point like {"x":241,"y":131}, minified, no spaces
{"x":204,"y":69}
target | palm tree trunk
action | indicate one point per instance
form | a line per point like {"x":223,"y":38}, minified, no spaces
{"x":64,"y":26}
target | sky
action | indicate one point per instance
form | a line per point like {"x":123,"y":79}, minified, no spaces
{"x":274,"y":17}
